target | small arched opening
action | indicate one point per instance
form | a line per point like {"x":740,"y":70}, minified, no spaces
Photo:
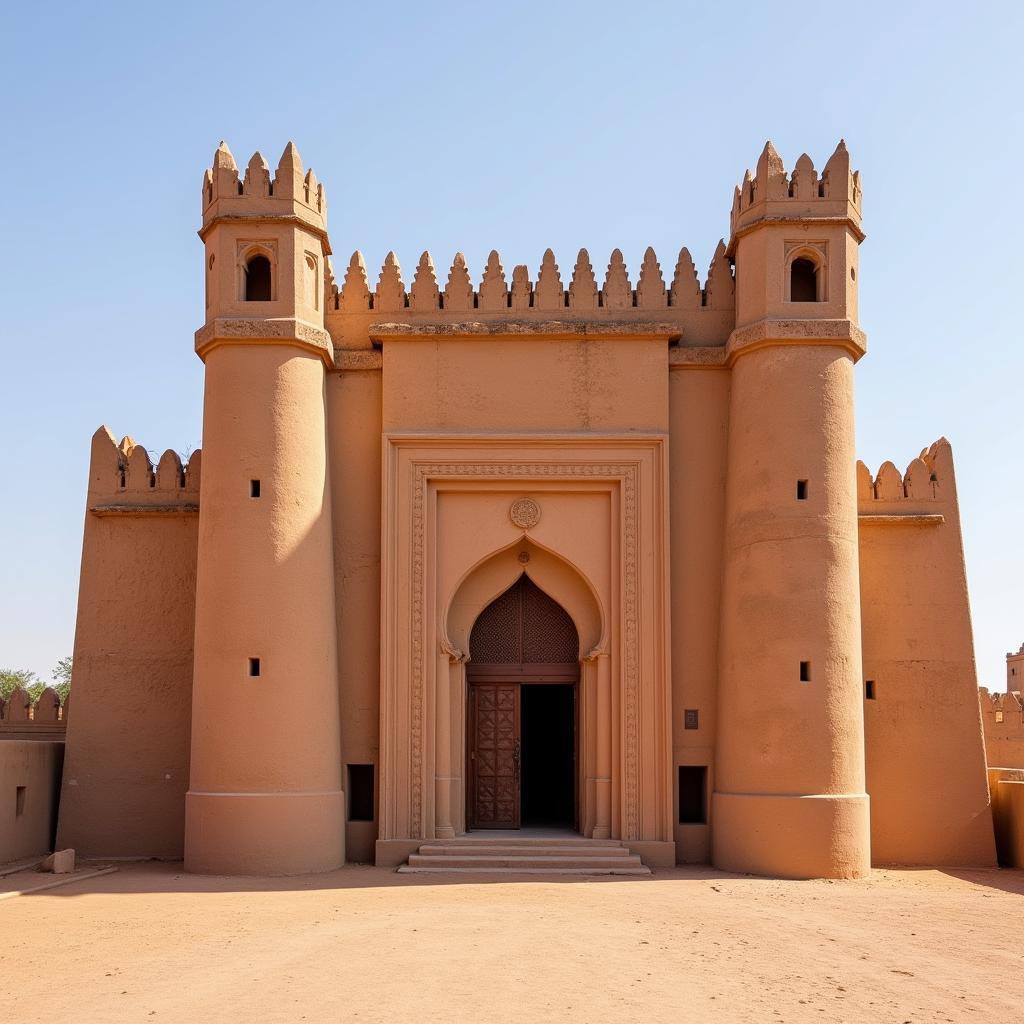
{"x":257,"y":279}
{"x":523,"y":677}
{"x":803,"y":280}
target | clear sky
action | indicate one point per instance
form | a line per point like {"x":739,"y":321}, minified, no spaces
{"x":512,"y":126}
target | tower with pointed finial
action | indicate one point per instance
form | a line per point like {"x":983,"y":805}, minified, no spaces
{"x":790,"y":787}
{"x":265,"y":793}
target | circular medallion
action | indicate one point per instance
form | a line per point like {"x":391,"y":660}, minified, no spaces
{"x":524,"y":513}
{"x":524,"y":557}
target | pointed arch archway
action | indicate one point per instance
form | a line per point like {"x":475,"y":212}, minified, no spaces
{"x":523,"y":631}
{"x":522,"y":722}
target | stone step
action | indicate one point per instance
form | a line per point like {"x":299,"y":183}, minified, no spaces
{"x":527,"y":861}
{"x":519,"y":850}
{"x":569,"y":842}
{"x":621,"y":869}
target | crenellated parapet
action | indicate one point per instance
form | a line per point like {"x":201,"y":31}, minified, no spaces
{"x":685,"y":310}
{"x":773,"y":193}
{"x":254,"y":193}
{"x":929,"y":479}
{"x":21,"y":718}
{"x":1002,"y":719}
{"x":124,"y":481}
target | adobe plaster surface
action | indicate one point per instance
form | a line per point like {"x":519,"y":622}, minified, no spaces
{"x":689,"y":945}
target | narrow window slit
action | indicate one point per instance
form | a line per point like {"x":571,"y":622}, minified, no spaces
{"x":801,"y":490}
{"x":360,"y":792}
{"x":805,"y":671}
{"x":254,"y":488}
{"x":869,"y":689}
{"x":254,"y":667}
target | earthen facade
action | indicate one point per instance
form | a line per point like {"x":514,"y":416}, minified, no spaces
{"x":572,"y":549}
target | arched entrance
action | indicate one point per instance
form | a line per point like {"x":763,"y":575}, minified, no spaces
{"x":522,"y":728}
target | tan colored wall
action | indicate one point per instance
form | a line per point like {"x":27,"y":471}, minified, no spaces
{"x":126,"y":769}
{"x":522,"y":384}
{"x":1004,"y":740}
{"x":354,"y":441}
{"x":27,"y":823}
{"x":699,"y":416}
{"x":925,"y":756}
{"x":1007,"y":787}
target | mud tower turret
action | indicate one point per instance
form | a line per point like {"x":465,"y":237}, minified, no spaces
{"x":265,"y":786}
{"x":789,"y":789}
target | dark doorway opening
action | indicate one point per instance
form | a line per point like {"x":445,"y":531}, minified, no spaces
{"x":548,"y":722}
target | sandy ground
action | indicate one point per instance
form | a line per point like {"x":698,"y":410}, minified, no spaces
{"x":149,"y":943}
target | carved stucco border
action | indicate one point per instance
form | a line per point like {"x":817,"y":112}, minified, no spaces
{"x":626,"y":474}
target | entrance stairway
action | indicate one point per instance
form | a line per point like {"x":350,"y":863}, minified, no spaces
{"x":515,"y":855}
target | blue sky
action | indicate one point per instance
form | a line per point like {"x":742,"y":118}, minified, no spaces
{"x":475,"y":126}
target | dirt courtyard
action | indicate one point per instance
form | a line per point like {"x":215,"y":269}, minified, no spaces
{"x":149,"y":943}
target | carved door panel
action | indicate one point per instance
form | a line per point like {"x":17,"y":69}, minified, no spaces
{"x":494,"y":755}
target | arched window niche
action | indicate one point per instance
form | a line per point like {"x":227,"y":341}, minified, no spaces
{"x":257,"y":278}
{"x":805,"y":276}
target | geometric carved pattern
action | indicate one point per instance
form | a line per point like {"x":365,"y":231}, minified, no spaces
{"x":524,"y":625}
{"x":496,"y":755}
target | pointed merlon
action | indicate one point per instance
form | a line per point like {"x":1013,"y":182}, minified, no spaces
{"x":583,"y":287}
{"x":458,"y":292}
{"x":521,"y":297}
{"x":207,"y":188}
{"x":720,"y":290}
{"x":770,"y":179}
{"x":424,"y":294}
{"x":390,"y":294}
{"x":257,"y":177}
{"x":140,"y":470}
{"x":549,"y":293}
{"x":225,"y":173}
{"x":805,"y":179}
{"x":288,"y":180}
{"x":354,"y":296}
{"x":291,"y":159}
{"x":617,"y":292}
{"x":309,"y":188}
{"x":223,"y":160}
{"x":917,"y":481}
{"x":650,"y":288}
{"x":685,"y":293}
{"x":836,"y":174}
{"x":106,"y":464}
{"x":194,"y":472}
{"x":169,"y":473}
{"x":865,"y":485}
{"x":493,"y":294}
{"x":888,"y":483}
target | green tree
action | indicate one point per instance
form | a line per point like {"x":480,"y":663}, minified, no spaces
{"x":62,"y":678}
{"x":12,"y":678}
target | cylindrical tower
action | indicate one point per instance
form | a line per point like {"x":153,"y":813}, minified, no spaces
{"x":789,"y":784}
{"x":265,"y":791}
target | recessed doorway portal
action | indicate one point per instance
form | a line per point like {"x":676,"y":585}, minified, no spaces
{"x":523,"y":677}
